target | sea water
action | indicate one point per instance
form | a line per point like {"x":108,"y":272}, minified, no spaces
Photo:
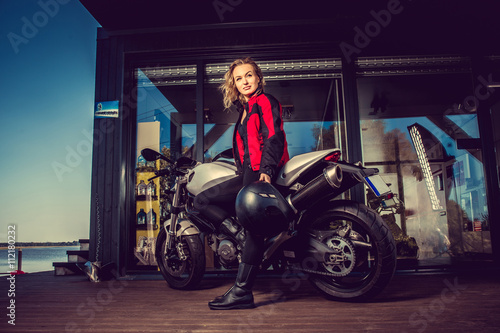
{"x":37,"y":259}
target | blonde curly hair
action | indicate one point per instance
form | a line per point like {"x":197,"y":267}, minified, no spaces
{"x":228,"y":88}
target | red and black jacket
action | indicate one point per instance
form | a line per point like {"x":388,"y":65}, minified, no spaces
{"x":267,"y":147}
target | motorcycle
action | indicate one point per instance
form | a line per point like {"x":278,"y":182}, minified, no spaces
{"x":344,"y":247}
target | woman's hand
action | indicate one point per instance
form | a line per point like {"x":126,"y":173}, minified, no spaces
{"x":265,"y":178}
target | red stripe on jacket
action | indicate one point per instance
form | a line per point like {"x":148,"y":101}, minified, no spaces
{"x":266,"y":138}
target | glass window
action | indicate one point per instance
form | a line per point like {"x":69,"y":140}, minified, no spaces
{"x":307,"y":91}
{"x":166,"y":122}
{"x":421,"y":134}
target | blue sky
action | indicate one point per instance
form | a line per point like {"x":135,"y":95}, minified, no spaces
{"x":46,"y":107}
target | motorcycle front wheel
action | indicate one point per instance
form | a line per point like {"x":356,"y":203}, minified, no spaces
{"x":181,"y":273}
{"x":362,"y":259}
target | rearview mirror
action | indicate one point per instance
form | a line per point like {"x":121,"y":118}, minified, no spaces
{"x":150,"y":155}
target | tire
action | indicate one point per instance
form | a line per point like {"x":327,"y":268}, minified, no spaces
{"x":181,"y":274}
{"x":370,"y":270}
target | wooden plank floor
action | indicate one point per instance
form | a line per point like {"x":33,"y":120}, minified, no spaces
{"x":450,"y":302}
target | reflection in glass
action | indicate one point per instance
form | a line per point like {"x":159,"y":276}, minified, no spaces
{"x":172,"y":106}
{"x":423,"y":160}
{"x":439,"y":179}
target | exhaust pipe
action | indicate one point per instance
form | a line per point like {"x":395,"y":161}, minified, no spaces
{"x":321,"y":186}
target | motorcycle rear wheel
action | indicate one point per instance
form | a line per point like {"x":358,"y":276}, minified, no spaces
{"x":373,"y":268}
{"x":181,"y":274}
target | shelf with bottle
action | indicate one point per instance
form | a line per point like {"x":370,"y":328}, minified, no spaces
{"x":148,"y":213}
{"x":146,"y":192}
{"x":146,"y":221}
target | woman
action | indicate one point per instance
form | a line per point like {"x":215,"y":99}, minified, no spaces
{"x":260,"y":148}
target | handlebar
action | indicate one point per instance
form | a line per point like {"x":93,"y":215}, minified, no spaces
{"x":178,"y":168}
{"x":160,"y":173}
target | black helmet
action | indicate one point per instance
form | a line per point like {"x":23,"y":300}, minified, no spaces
{"x":262,"y":210}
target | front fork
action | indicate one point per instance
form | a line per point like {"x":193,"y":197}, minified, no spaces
{"x":177,"y":207}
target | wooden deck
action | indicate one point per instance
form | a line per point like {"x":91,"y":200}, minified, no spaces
{"x":444,"y":302}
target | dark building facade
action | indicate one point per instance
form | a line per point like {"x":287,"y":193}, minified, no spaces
{"x":410,"y":87}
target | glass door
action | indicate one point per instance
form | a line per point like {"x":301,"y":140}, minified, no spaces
{"x":166,"y":122}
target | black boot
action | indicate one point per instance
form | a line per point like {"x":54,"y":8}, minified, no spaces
{"x":239,"y":296}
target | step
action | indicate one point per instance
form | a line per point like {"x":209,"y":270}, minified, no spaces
{"x":78,"y":255}
{"x":66,"y":268}
{"x":74,"y":257}
{"x":84,"y":244}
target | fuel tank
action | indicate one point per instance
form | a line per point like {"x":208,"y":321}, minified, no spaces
{"x":207,"y":175}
